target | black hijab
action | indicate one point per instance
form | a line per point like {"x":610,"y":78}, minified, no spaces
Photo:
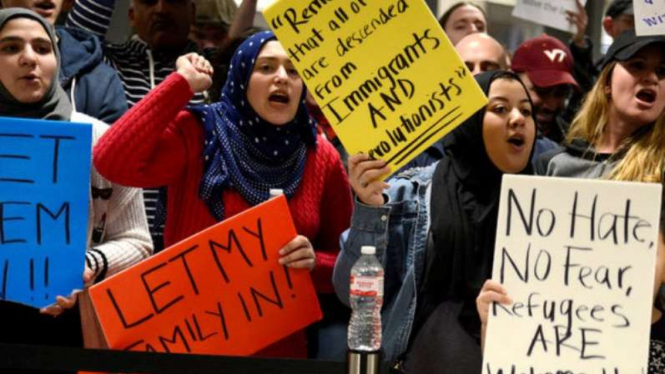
{"x":55,"y":104}
{"x":464,"y":210}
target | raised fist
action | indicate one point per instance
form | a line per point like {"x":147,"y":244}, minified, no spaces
{"x":196,"y":70}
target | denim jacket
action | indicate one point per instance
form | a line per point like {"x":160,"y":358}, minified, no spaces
{"x":398,"y":229}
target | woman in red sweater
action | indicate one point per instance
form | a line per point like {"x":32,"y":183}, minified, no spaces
{"x":218,"y":160}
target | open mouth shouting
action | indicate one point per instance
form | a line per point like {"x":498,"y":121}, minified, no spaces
{"x":279,"y":98}
{"x":646,"y":96}
{"x":516,"y":142}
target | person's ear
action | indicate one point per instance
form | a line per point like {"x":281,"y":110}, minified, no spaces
{"x":607,"y":87}
{"x":130,"y":15}
{"x":608,"y":26}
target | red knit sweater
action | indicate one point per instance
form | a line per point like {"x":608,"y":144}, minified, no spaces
{"x":157,"y":143}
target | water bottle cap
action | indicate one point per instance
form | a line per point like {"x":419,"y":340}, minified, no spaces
{"x":274,"y":192}
{"x":368,"y":250}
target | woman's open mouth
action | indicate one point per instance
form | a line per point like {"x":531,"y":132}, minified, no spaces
{"x":646,"y":96}
{"x":279,"y":98}
{"x":516,"y":142}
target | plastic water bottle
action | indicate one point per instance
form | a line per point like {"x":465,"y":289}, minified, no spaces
{"x":366,"y":296}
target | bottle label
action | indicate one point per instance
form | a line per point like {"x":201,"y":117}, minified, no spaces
{"x":366,"y":286}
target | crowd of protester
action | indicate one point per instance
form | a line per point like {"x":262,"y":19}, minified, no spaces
{"x":199,"y":115}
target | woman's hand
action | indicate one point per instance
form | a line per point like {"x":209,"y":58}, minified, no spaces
{"x":363,"y":174}
{"x":62,"y":302}
{"x":491,"y":292}
{"x":196,"y":70}
{"x":298,"y":254}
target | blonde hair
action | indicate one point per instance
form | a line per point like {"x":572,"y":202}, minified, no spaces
{"x":641,"y":156}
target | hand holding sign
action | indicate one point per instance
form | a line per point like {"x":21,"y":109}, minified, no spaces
{"x":492,"y":292}
{"x":298,"y":254}
{"x":63,"y":303}
{"x":364,"y":176}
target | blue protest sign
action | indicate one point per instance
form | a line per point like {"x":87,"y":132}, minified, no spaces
{"x":44,"y":189}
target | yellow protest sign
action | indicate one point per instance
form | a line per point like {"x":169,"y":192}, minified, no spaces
{"x":384,"y":73}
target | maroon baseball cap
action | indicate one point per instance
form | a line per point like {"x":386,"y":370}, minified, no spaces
{"x":546,"y":61}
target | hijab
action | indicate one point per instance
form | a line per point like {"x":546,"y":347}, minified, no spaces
{"x":242,"y":150}
{"x":464,"y":206}
{"x":55,"y":104}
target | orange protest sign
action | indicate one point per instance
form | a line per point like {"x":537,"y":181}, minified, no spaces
{"x":221,"y":291}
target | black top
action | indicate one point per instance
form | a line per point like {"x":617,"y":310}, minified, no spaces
{"x":657,"y":347}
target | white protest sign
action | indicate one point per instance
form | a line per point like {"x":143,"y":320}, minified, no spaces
{"x":550,"y":13}
{"x":577,"y":259}
{"x":649,"y":17}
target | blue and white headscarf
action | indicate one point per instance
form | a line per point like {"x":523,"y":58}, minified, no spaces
{"x":244,"y":151}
